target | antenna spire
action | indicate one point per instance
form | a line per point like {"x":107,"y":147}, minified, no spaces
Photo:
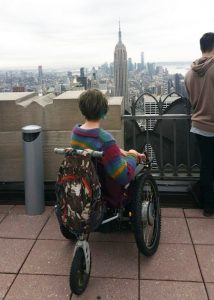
{"x":120,"y":35}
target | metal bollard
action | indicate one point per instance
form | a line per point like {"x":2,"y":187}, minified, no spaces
{"x":33,"y":169}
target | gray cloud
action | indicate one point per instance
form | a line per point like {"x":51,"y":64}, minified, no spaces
{"x":85,"y":32}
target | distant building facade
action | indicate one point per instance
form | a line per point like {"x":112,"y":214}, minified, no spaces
{"x":120,"y":70}
{"x":40,"y":75}
{"x":142,"y":60}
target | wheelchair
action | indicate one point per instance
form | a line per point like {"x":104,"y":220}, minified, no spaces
{"x":141,"y":208}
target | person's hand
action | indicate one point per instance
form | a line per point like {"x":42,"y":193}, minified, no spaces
{"x":123,"y":152}
{"x":140,"y":156}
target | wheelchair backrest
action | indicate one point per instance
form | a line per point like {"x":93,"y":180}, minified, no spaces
{"x":78,"y":191}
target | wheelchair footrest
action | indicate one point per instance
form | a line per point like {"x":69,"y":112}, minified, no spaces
{"x":111,"y":219}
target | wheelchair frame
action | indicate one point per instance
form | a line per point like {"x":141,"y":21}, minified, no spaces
{"x":145,"y":213}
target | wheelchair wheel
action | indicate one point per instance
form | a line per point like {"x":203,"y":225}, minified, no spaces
{"x":67,"y":234}
{"x":146,"y":217}
{"x":78,"y":276}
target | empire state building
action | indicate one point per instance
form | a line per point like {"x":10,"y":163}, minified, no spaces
{"x":120,"y":70}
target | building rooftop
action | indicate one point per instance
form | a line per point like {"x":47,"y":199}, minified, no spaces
{"x":35,"y":259}
{"x":71,"y":95}
{"x":115,"y":100}
{"x":16,"y":96}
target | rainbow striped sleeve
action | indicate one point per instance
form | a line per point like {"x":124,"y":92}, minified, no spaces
{"x":120,"y":168}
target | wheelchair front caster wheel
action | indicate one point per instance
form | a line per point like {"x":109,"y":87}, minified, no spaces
{"x":78,"y":275}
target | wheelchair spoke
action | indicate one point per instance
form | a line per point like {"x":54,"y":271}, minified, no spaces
{"x":148,"y":227}
{"x":148,"y":234}
{"x":147,"y":222}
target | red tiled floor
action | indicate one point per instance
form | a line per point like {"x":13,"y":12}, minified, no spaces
{"x":210,"y":289}
{"x":111,"y":259}
{"x":195,"y":213}
{"x":171,"y":262}
{"x":110,"y":289}
{"x":1,"y":217}
{"x":13,"y":253}
{"x":20,"y":210}
{"x":5,"y":282}
{"x":122,"y":236}
{"x":39,"y":287}
{"x":49,"y":257}
{"x":174,"y":230}
{"x":202,"y":230}
{"x":172,"y":212}
{"x":51,"y":230}
{"x":5,"y":208}
{"x":172,"y":290}
{"x":22,"y":226}
{"x":36,"y":246}
{"x":205,"y":256}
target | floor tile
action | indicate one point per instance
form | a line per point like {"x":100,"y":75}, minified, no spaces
{"x":210,"y":289}
{"x":172,"y":290}
{"x":201,"y":230}
{"x":205,"y":256}
{"x":110,"y":289}
{"x":22,"y":226}
{"x":39,"y":287}
{"x":171,"y":262}
{"x":13,"y":253}
{"x":21,"y":210}
{"x":117,"y":260}
{"x":2,"y":217}
{"x":49,"y":257}
{"x":5,"y":208}
{"x":174,"y":230}
{"x":123,"y":236}
{"x":5,"y":282}
{"x":51,"y":230}
{"x":195,"y":213}
{"x":172,"y":212}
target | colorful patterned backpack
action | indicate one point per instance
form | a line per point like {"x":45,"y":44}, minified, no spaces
{"x":78,"y":193}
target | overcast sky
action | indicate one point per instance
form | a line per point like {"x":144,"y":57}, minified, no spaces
{"x":68,"y":33}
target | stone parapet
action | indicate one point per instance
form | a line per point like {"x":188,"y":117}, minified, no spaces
{"x":56,"y":116}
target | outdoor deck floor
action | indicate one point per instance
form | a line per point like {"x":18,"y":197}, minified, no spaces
{"x":35,"y":260}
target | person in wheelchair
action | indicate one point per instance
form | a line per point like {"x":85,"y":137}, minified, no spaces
{"x":137,"y":202}
{"x":117,"y":166}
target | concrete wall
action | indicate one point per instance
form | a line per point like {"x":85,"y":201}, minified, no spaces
{"x":57,"y":116}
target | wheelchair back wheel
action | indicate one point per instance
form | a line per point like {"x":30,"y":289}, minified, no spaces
{"x":146,"y":216}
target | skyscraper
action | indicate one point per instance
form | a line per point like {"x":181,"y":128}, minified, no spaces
{"x":120,"y":70}
{"x":142,"y":60}
{"x":177,"y":83}
{"x":40,"y":75}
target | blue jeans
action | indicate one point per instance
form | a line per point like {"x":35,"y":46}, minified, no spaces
{"x":206,"y":147}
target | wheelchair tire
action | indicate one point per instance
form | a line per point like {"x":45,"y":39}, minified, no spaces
{"x":67,"y":234}
{"x":78,"y":277}
{"x":146,"y":215}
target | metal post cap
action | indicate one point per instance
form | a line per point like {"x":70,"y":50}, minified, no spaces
{"x":31,"y":129}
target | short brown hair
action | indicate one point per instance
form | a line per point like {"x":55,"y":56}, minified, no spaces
{"x":207,"y":42}
{"x":93,"y":104}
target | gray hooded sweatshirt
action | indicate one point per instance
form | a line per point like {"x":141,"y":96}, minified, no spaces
{"x":199,"y":82}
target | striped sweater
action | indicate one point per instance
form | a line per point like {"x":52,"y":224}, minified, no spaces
{"x":118,"y":167}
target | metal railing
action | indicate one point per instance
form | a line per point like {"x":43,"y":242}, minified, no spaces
{"x":176,"y":155}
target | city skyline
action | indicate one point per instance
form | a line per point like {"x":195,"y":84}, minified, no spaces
{"x":72,"y":34}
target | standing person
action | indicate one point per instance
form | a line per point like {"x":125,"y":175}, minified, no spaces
{"x":118,"y":164}
{"x":199,"y":82}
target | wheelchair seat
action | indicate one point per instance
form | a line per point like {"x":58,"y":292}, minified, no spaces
{"x":113,"y":194}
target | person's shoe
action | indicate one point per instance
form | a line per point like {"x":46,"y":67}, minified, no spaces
{"x":207,"y":213}
{"x":195,"y":190}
